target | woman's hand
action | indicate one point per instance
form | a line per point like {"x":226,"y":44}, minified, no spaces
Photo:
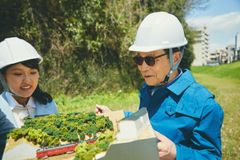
{"x":101,"y":109}
{"x":166,"y":148}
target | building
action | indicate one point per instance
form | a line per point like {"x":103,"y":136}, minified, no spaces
{"x":224,"y":56}
{"x":221,"y":56}
{"x":213,"y":59}
{"x":233,"y":51}
{"x":237,"y":47}
{"x":230,"y":49}
{"x":201,"y":47}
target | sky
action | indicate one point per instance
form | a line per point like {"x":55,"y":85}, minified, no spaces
{"x":222,"y":19}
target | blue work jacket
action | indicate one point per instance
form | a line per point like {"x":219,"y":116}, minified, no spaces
{"x":186,"y":113}
{"x":5,"y":125}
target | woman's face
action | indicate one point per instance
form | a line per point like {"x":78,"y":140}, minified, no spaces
{"x":22,"y":80}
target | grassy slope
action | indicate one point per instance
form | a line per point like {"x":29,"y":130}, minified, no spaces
{"x":119,"y":100}
{"x":223,"y":81}
{"x":229,"y":71}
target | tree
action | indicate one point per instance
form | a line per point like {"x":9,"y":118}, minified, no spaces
{"x":85,"y":43}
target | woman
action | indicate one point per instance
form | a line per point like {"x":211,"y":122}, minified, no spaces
{"x":19,"y":74}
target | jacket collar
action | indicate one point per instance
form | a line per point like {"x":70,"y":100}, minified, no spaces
{"x":182,"y":83}
{"x":13,"y":103}
{"x":164,"y":86}
{"x":178,"y":85}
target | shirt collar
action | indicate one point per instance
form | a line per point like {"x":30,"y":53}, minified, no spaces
{"x":13,"y":103}
{"x":181,"y":83}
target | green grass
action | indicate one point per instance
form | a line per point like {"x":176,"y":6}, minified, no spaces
{"x":223,"y":81}
{"x":230,"y":71}
{"x":115,"y":101}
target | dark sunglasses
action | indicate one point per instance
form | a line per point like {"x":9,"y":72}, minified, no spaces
{"x":150,"y":60}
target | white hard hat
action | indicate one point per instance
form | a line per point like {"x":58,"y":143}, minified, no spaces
{"x":14,"y":50}
{"x":159,"y":30}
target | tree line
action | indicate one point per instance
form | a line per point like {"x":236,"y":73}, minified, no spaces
{"x":85,"y":43}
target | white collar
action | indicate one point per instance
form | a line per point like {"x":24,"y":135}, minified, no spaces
{"x":13,"y":103}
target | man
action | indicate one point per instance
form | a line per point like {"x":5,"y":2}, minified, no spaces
{"x":184,"y":113}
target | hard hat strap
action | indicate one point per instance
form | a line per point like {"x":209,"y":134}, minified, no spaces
{"x":172,"y":66}
{"x":3,"y":82}
{"x":5,"y":86}
{"x":165,"y":81}
{"x":175,"y":67}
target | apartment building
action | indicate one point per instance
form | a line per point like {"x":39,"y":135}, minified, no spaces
{"x":201,"y":47}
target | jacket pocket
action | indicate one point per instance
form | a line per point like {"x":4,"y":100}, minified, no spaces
{"x":187,"y":109}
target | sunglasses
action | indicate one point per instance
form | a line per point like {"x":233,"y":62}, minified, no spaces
{"x":150,"y":60}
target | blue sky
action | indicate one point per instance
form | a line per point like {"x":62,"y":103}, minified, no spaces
{"x":222,"y":18}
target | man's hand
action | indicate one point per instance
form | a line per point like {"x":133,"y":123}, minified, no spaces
{"x":101,"y":109}
{"x":166,"y":148}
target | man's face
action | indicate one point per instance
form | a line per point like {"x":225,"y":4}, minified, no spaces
{"x":155,"y":74}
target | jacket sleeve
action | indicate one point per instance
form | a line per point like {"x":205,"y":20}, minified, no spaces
{"x":205,"y":141}
{"x":5,"y":127}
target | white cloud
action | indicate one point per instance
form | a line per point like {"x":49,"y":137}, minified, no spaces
{"x":222,"y":29}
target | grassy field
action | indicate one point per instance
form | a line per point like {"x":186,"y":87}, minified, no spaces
{"x":115,"y":101}
{"x":223,"y":81}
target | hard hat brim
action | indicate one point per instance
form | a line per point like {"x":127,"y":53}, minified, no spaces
{"x":137,"y":48}
{"x":143,"y":49}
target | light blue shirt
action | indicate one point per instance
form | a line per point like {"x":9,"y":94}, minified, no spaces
{"x":16,"y":112}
